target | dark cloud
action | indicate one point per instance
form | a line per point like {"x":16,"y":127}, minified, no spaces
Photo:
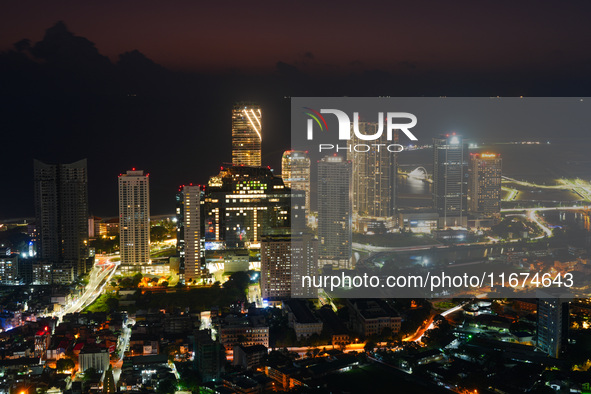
{"x":286,"y":69}
{"x":63,"y":100}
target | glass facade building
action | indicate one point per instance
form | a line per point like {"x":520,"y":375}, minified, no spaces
{"x":246,"y":134}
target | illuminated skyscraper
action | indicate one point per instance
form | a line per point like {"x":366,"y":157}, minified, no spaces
{"x":334,"y":212}
{"x":191,"y":228}
{"x":373,"y":176}
{"x":61,"y":212}
{"x":450,"y":180}
{"x":246,"y":134}
{"x":134,"y":221}
{"x":242,"y":204}
{"x":295,"y":171}
{"x":485,"y":184}
{"x":284,"y":260}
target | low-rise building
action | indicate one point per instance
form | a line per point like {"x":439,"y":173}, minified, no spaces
{"x":246,"y":331}
{"x":93,"y":358}
{"x":301,"y":319}
{"x":249,"y":357}
{"x":372,"y":316}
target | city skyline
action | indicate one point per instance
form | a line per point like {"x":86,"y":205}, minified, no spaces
{"x":312,"y":197}
{"x":196,"y":107}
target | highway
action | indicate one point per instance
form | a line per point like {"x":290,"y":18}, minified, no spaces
{"x":579,"y":186}
{"x":372,"y":248}
{"x":531,"y":214}
{"x":99,"y":276}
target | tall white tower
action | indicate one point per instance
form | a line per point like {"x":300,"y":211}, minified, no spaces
{"x":134,"y":221}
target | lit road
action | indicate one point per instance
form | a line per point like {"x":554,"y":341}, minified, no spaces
{"x":303,"y":350}
{"x":531,"y":214}
{"x":372,"y":248}
{"x":534,"y":185}
{"x":579,"y":186}
{"x":512,"y":193}
{"x":428,"y":325}
{"x":99,"y":276}
{"x":122,"y":346}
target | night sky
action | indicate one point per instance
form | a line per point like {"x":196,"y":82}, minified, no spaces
{"x":150,"y":84}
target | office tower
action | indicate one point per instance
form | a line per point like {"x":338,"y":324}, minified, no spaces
{"x":450,"y":180}
{"x":61,"y":212}
{"x":553,"y":324}
{"x":191,"y":206}
{"x":485,"y":184}
{"x":374,"y":172}
{"x":134,"y":221}
{"x":246,"y":134}
{"x":295,"y":171}
{"x":334,"y":212}
{"x":241,"y":204}
{"x":284,"y":260}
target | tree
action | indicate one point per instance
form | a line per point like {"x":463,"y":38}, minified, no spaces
{"x":64,"y":364}
{"x":136,"y":279}
{"x":369,"y":346}
{"x":113,"y":304}
{"x":166,"y":386}
{"x":237,"y":285}
{"x":158,"y":233}
{"x":90,"y":374}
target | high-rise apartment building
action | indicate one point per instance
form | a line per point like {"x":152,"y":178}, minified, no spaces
{"x":246,"y":134}
{"x":134,"y":221}
{"x":374,"y":172}
{"x":284,"y":260}
{"x":553,"y":324}
{"x":450,"y":180}
{"x":190,"y":205}
{"x":334,"y":212}
{"x":242,"y":204}
{"x":8,"y":269}
{"x":61,"y":213}
{"x":485,"y":185}
{"x":295,"y":171}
